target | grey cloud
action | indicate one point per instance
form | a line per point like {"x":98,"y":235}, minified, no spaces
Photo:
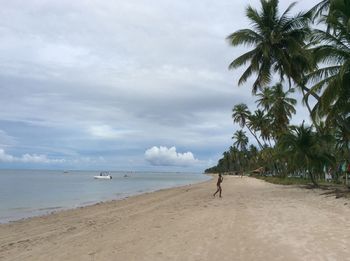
{"x":113,"y":78}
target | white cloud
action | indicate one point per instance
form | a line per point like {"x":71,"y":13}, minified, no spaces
{"x":27,"y":158}
{"x":163,"y":156}
{"x":104,"y":132}
{"x":6,"y":157}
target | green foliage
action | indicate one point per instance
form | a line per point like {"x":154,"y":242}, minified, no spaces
{"x":303,"y":148}
{"x":331,"y":50}
{"x":241,"y":140}
{"x":284,"y":180}
{"x":278,"y":43}
{"x":318,"y":62}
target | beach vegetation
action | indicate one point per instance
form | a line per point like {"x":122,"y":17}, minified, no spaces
{"x":307,"y":51}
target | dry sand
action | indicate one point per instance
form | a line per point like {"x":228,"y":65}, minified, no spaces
{"x":253,"y":221}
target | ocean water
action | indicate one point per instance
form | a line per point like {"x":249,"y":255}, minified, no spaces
{"x":27,"y":193}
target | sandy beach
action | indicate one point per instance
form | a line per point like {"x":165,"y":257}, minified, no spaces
{"x":254,"y":220}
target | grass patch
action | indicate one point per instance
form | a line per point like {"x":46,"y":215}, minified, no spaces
{"x":284,"y":181}
{"x":337,"y":190}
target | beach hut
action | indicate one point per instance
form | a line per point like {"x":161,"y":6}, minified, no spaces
{"x":259,"y":171}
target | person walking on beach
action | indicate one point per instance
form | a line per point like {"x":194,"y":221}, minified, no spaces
{"x":218,"y":184}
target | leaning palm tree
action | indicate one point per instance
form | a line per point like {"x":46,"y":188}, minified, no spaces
{"x":278,"y":43}
{"x":241,"y":115}
{"x":262,"y":123}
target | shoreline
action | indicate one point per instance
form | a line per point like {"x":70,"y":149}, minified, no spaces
{"x":32,"y":212}
{"x":91,"y":204}
{"x":254,"y":220}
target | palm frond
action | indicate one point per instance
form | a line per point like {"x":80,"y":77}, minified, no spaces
{"x":243,"y":59}
{"x":327,"y":38}
{"x":285,"y":13}
{"x":244,"y":77}
{"x":244,"y":37}
{"x":322,"y":73}
{"x":319,"y":9}
{"x":253,"y":15}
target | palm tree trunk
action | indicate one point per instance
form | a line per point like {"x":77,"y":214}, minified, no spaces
{"x":308,"y":106}
{"x":313,"y":180}
{"x":305,"y":89}
{"x":261,"y":146}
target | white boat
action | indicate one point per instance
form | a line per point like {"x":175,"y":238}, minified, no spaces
{"x":103,"y":175}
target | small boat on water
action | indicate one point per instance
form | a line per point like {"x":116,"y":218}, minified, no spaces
{"x":103,"y":175}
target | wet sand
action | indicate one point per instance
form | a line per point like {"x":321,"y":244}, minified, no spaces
{"x":254,"y":220}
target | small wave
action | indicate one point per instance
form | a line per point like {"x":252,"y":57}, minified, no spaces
{"x":20,"y":208}
{"x":86,"y":203}
{"x":49,"y":208}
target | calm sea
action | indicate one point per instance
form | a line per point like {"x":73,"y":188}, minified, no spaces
{"x":27,"y":193}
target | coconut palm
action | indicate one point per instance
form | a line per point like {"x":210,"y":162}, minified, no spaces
{"x":260,"y":122}
{"x":282,"y":108}
{"x":302,"y":147}
{"x":227,"y":160}
{"x":265,"y":98}
{"x":235,"y":158}
{"x":332,"y":50}
{"x":241,"y":115}
{"x":279,"y":107}
{"x":278,"y":44}
{"x":238,"y":156}
{"x":241,"y":140}
{"x":253,"y":153}
{"x":342,"y":139}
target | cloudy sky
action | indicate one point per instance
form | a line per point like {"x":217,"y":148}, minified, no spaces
{"x":120,"y":85}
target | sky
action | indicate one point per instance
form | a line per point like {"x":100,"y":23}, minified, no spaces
{"x":121,"y":85}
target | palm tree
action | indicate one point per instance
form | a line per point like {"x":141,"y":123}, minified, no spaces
{"x":261,"y":122}
{"x":342,"y":139}
{"x":282,"y":108}
{"x":332,"y":50}
{"x":253,"y":156}
{"x":235,"y":158}
{"x":278,"y":43}
{"x":279,"y":107}
{"x":241,"y":140}
{"x":265,"y":98}
{"x":302,"y":147}
{"x":227,"y":160}
{"x":241,"y":115}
